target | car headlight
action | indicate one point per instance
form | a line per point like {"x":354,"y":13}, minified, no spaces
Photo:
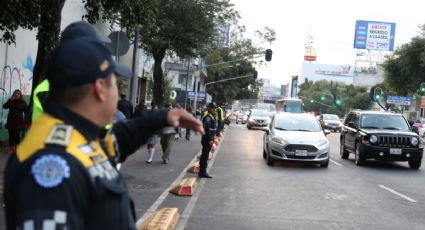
{"x":251,"y":119}
{"x":268,"y":120}
{"x":278,"y":140}
{"x":322,"y":142}
{"x":326,"y":123}
{"x":414,"y":141}
{"x":373,"y":139}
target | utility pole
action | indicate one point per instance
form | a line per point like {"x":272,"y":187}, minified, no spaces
{"x":187,"y":81}
{"x":134,"y":69}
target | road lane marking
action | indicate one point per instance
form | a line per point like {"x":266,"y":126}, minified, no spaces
{"x":335,"y":162}
{"x":192,"y":202}
{"x":397,"y":193}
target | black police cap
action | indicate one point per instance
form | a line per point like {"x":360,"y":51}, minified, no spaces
{"x":81,"y":61}
{"x":83,"y":29}
{"x":212,"y":105}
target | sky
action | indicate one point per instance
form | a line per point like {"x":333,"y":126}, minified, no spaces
{"x":332,"y":24}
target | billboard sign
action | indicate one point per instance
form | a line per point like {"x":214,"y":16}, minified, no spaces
{"x":374,"y":35}
{"x":399,"y":100}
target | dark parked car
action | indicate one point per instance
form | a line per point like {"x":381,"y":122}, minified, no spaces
{"x":331,"y":122}
{"x":381,"y":136}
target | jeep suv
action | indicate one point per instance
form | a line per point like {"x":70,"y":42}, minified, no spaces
{"x":380,"y":136}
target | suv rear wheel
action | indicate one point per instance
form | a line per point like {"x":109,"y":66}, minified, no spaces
{"x":342,"y":151}
{"x":359,"y":157}
{"x":415,"y":164}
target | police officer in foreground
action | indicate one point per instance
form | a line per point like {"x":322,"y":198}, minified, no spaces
{"x":63,"y":174}
{"x":207,"y":140}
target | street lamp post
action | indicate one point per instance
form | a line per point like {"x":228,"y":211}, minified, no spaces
{"x":187,"y":81}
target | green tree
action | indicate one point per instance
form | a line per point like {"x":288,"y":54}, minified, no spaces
{"x":406,"y":67}
{"x":182,"y":27}
{"x":353,"y":97}
{"x":45,"y":16}
{"x":241,"y":49}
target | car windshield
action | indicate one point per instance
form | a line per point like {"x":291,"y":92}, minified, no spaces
{"x":331,"y":117}
{"x":380,"y":121}
{"x":293,"y":106}
{"x":259,"y":113}
{"x":297,"y":123}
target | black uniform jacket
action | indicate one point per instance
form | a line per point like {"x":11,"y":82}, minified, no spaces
{"x":63,"y":174}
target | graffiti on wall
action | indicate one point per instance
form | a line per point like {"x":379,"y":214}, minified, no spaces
{"x":12,"y":78}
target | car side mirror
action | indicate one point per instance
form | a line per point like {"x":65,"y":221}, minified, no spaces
{"x":351,"y":124}
{"x":327,"y":132}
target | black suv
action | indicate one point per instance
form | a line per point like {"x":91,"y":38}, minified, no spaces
{"x":381,"y":136}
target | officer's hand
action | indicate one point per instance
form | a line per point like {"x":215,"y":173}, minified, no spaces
{"x":179,"y":117}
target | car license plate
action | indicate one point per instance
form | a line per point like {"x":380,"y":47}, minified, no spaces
{"x":301,"y":153}
{"x":395,"y":151}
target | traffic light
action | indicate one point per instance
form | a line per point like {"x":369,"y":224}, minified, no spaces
{"x":269,"y":53}
{"x":376,"y":93}
{"x":322,"y":98}
{"x":255,"y":74}
{"x":337,"y":100}
{"x":312,"y":101}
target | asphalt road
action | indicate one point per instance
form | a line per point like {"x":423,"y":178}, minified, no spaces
{"x":245,"y":193}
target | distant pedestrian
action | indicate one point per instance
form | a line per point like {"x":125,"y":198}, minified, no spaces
{"x":152,"y":142}
{"x":167,"y":140}
{"x":15,"y":119}
{"x":139,"y":108}
{"x":125,"y":107}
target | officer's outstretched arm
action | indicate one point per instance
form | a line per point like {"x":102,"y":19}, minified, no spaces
{"x":134,"y":133}
{"x":53,"y":193}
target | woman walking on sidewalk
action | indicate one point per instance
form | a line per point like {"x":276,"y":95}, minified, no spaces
{"x":15,"y":119}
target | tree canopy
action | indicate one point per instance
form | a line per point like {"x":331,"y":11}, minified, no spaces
{"x":406,"y":66}
{"x":352,"y":97}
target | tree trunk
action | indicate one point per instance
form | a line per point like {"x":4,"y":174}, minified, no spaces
{"x":48,"y":35}
{"x":158,"y":78}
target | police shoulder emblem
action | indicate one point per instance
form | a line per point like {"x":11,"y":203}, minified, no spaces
{"x":59,"y":135}
{"x":50,"y":170}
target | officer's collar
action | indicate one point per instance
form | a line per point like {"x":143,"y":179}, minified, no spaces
{"x":89,"y":130}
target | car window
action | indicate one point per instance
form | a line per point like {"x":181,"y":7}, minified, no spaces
{"x":348,"y":119}
{"x":331,"y":117}
{"x":383,"y":121}
{"x":297,"y":123}
{"x":259,"y":113}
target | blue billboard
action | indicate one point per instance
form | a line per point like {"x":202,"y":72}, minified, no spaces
{"x":373,"y":35}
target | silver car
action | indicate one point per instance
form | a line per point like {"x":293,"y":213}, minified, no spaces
{"x":296,"y":137}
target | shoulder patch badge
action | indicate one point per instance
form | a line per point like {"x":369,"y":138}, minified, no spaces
{"x":59,"y":135}
{"x":50,"y":170}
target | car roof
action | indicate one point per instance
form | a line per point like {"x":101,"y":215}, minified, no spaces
{"x":286,"y":114}
{"x":376,"y":112}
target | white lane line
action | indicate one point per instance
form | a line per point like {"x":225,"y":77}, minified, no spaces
{"x":192,"y":202}
{"x":335,"y":162}
{"x":397,"y":193}
{"x":153,"y":208}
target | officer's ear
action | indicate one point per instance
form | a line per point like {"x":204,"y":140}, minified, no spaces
{"x":102,"y":87}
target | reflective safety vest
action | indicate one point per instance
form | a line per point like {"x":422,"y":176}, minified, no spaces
{"x":37,"y":110}
{"x":220,"y":114}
